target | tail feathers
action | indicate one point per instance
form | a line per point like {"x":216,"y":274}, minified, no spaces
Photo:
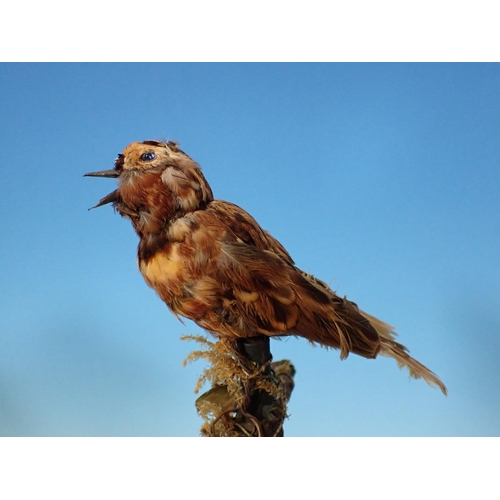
{"x":392,"y":349}
{"x":332,"y":321}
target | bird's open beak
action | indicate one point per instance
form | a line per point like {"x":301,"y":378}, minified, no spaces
{"x":111,"y":197}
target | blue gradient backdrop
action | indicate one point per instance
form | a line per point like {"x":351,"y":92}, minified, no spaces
{"x":383,"y":179}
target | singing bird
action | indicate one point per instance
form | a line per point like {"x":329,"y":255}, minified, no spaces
{"x":212,"y":263}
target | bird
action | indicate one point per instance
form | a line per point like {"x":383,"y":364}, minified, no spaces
{"x":210,"y":261}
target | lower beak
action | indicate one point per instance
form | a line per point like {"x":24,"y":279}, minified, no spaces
{"x":110,"y":198}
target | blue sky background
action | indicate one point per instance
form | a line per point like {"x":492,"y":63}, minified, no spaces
{"x":381,"y":178}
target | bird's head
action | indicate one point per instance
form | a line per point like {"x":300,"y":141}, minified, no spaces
{"x":155,"y":178}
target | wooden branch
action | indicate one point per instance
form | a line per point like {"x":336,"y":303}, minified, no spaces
{"x":250,"y":393}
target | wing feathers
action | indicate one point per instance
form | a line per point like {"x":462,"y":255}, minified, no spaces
{"x":285,"y":300}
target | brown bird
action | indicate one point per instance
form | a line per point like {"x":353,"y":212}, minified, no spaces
{"x":211,"y":262}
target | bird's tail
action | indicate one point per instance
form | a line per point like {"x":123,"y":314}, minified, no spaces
{"x":390,"y":348}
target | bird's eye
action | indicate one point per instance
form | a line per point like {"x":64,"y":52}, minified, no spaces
{"x":148,"y":156}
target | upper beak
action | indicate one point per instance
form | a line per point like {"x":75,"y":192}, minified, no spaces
{"x":111,"y":197}
{"x":103,"y":173}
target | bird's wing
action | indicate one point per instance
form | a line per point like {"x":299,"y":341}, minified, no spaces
{"x":265,"y":293}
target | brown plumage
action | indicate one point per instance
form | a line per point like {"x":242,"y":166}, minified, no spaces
{"x":211,"y":262}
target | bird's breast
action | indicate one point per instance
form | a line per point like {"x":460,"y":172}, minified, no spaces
{"x":165,"y":271}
